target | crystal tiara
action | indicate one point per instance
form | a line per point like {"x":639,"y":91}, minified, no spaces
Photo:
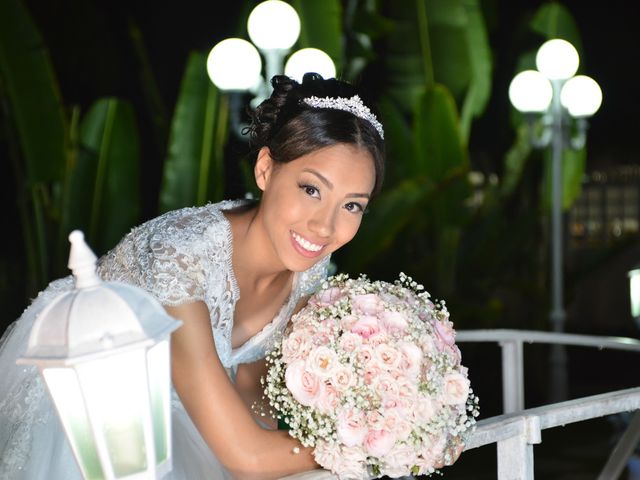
{"x":352,"y":105}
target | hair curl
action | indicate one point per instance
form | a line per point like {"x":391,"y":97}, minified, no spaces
{"x":290,"y":128}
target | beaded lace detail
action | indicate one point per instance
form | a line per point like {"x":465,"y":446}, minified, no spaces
{"x":185,"y":255}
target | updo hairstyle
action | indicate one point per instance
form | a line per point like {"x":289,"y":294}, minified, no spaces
{"x":290,"y":128}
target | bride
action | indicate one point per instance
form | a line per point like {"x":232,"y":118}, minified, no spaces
{"x":233,"y":273}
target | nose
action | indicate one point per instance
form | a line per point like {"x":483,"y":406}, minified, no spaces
{"x":322,"y":222}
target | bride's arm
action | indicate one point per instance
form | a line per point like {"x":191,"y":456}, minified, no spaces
{"x":248,"y":385}
{"x":217,"y":410}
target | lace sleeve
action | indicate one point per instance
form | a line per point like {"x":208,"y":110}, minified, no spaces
{"x":176,"y":273}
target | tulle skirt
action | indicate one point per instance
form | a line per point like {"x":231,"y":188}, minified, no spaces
{"x":33,"y":445}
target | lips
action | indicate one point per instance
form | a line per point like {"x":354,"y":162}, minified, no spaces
{"x":304,"y":246}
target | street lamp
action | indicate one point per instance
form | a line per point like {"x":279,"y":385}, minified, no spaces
{"x":103,"y":352}
{"x":561,"y":100}
{"x":235,"y":65}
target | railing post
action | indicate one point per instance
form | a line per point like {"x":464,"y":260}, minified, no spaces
{"x":515,"y":454}
{"x":512,"y":376}
{"x":623,"y":450}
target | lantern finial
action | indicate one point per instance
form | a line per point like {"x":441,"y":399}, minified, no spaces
{"x":82,"y":261}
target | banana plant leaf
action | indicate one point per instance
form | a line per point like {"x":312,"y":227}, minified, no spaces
{"x":32,"y":90}
{"x":321,"y":27}
{"x":35,"y":113}
{"x":104,"y":195}
{"x":461,"y":55}
{"x":194,"y":168}
{"x":442,"y":41}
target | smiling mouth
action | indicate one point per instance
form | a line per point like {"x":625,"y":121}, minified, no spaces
{"x":306,"y":244}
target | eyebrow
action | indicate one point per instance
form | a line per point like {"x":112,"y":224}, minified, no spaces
{"x":328,"y":183}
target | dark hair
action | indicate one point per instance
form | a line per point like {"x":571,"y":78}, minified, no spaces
{"x":291,"y":128}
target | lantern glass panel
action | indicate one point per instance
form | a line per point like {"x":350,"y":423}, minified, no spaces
{"x":117,"y":395}
{"x":67,"y":396}
{"x":159,"y":389}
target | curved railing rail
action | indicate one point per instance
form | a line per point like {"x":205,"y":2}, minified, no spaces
{"x":517,"y":430}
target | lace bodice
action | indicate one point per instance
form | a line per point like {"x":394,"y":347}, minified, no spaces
{"x":185,"y":255}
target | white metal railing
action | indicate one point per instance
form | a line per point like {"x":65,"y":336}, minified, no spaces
{"x":517,"y":430}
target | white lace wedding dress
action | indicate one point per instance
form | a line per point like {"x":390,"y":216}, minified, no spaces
{"x":178,"y":257}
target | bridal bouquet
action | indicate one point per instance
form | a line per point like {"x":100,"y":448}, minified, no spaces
{"x":370,"y":376}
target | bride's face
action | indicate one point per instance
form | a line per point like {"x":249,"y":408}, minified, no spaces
{"x":313,"y":205}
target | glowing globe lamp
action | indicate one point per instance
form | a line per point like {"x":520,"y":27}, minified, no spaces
{"x":309,"y":60}
{"x":530,"y":92}
{"x":103,"y":351}
{"x":234,"y":64}
{"x":273,"y":25}
{"x":581,"y":96}
{"x":557,"y":59}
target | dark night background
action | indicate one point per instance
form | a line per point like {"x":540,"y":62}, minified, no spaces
{"x":93,"y":56}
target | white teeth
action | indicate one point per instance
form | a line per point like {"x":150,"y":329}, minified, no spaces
{"x":312,"y":247}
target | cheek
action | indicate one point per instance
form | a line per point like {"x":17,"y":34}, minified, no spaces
{"x":347,"y":228}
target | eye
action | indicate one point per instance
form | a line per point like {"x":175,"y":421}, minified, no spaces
{"x":354,"y":207}
{"x":310,"y":190}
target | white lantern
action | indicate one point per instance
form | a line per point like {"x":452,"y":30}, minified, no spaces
{"x":530,"y":92}
{"x":581,"y":96}
{"x":103,"y":351}
{"x":309,"y":60}
{"x":234,"y":64}
{"x":273,"y":25}
{"x":557,"y":59}
{"x":634,"y":293}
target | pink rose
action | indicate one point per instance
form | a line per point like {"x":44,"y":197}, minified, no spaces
{"x":303,"y":385}
{"x":349,"y":342}
{"x":378,"y":442}
{"x":423,"y":410}
{"x":387,"y":356}
{"x":456,"y":389}
{"x":445,"y":332}
{"x":378,"y":338}
{"x":375,"y":420}
{"x":399,"y":460}
{"x":321,"y":361}
{"x":385,"y":386}
{"x":327,"y":400}
{"x":327,"y":454}
{"x":296,"y":346}
{"x":411,"y":358}
{"x":371,"y":372}
{"x":352,"y":464}
{"x":351,"y":427}
{"x":403,"y":429}
{"x":364,"y":354}
{"x":366,"y":326}
{"x":326,"y":297}
{"x":343,"y":378}
{"x":394,"y":322}
{"x":368,"y":304}
{"x":431,"y":454}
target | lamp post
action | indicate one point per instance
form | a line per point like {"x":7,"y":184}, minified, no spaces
{"x":634,"y":293}
{"x":559,"y":98}
{"x":103,"y":352}
{"x":235,"y":65}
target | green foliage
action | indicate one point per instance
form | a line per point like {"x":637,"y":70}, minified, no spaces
{"x":30,"y":89}
{"x":321,"y":27}
{"x":103,"y":197}
{"x":194,"y":168}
